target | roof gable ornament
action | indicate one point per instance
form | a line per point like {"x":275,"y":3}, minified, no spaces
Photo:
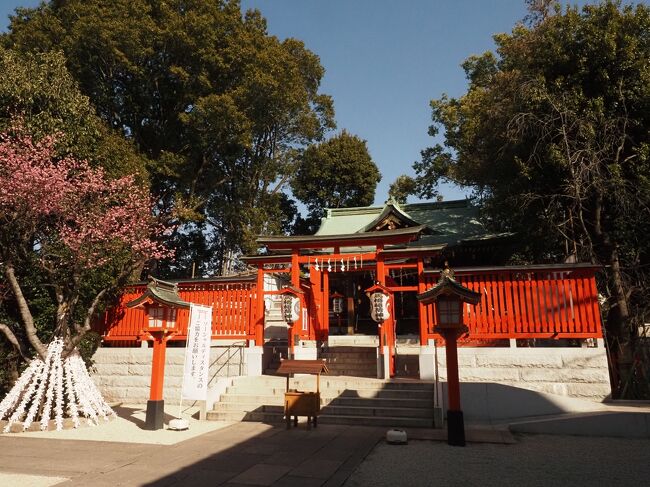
{"x":392,"y":217}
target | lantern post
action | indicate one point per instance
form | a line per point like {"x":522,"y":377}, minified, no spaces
{"x":161,"y":303}
{"x":337,"y":308}
{"x":380,"y":299}
{"x":449,"y":297}
{"x":291,"y":311}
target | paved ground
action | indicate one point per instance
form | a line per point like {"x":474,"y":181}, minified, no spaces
{"x":534,"y":460}
{"x":240,"y":454}
{"x":260,"y":454}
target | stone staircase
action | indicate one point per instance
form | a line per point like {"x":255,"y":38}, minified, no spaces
{"x":351,"y":361}
{"x":344,"y":400}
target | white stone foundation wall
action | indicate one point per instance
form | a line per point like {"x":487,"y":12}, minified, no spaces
{"x":124,"y":374}
{"x":571,"y":372}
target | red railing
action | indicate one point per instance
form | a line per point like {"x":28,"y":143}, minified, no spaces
{"x":232,"y":308}
{"x":527,"y":302}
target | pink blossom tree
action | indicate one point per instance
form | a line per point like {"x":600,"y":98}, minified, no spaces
{"x":66,"y":221}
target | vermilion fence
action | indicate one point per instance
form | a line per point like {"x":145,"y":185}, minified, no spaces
{"x":517,"y":302}
{"x":232,"y":307}
{"x":527,"y":302}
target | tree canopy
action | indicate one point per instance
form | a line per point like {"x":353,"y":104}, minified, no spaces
{"x":218,"y":106}
{"x":553,"y":135}
{"x":38,"y":90}
{"x":338,"y":172}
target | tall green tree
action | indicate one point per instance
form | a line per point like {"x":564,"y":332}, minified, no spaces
{"x":336,"y":173}
{"x":553,"y":135}
{"x":401,"y":188}
{"x":218,"y":105}
{"x":38,"y":90}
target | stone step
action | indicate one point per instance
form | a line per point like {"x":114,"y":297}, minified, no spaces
{"x":381,"y":402}
{"x":334,"y":382}
{"x":263,"y":407}
{"x":268,"y":417}
{"x":350,"y":359}
{"x":231,"y":407}
{"x":262,"y":417}
{"x":363,"y":411}
{"x":332,"y":389}
{"x":366,"y":341}
{"x":350,"y":372}
{"x":376,"y":421}
{"x":345,"y":350}
{"x":278,"y":400}
{"x":333,"y":394}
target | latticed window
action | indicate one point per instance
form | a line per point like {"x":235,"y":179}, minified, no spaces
{"x":449,"y":311}
{"x":158,"y":316}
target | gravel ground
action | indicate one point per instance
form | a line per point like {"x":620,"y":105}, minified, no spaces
{"x":15,"y":480}
{"x":535,"y":460}
{"x":128,"y":428}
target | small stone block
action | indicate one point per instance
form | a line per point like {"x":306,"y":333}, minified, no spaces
{"x":16,"y":428}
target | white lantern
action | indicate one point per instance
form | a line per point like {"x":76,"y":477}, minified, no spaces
{"x":290,"y":308}
{"x":379,"y":304}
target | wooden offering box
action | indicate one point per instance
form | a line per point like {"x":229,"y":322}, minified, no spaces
{"x":299,"y":403}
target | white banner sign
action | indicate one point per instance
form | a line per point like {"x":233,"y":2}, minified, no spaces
{"x":197,"y":353}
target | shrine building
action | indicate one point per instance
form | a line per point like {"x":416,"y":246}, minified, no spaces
{"x":397,"y":251}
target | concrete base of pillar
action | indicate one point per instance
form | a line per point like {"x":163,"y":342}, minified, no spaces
{"x":383,"y":364}
{"x":427,"y":361}
{"x":455,"y":428}
{"x":155,"y":418}
{"x":253,"y":360}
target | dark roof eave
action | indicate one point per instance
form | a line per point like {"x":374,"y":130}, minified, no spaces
{"x":523,"y":268}
{"x":335,"y":240}
{"x":449,"y":286}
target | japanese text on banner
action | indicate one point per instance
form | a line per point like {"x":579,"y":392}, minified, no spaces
{"x":197,"y":353}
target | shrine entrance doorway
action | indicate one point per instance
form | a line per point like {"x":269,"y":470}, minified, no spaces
{"x":355,"y":316}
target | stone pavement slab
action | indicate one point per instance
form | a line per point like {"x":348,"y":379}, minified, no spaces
{"x":240,"y":454}
{"x":262,"y":474}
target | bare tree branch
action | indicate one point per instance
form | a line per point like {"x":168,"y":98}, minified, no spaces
{"x":25,"y":314}
{"x":13,"y":339}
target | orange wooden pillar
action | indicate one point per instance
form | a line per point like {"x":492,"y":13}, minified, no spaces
{"x":422,"y":321}
{"x":258,"y":320}
{"x":453,"y":382}
{"x":294,"y":328}
{"x":158,"y":366}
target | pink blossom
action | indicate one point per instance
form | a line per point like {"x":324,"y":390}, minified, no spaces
{"x":55,"y":201}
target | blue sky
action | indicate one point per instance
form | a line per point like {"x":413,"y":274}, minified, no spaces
{"x":385,"y":60}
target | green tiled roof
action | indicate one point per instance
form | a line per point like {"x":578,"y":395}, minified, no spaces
{"x":449,"y":222}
